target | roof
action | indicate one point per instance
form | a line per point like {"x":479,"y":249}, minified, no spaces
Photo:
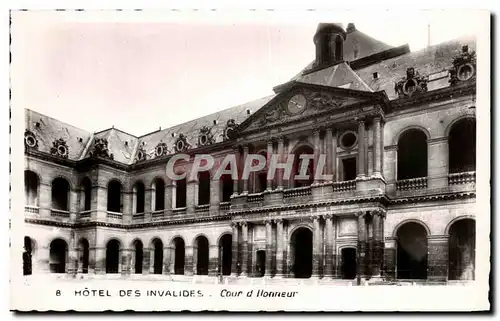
{"x":359,"y":45}
{"x":433,"y":61}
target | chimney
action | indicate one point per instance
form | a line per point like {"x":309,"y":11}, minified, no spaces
{"x":329,"y":42}
{"x":350,"y":27}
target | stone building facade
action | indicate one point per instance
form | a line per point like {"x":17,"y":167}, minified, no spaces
{"x":398,"y":130}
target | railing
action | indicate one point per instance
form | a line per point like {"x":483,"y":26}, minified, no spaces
{"x":179,"y":210}
{"x":84,"y":214}
{"x":59,"y":213}
{"x":461,"y":178}
{"x":31,"y":209}
{"x":158,"y":214}
{"x":344,"y":186}
{"x":137,"y":216}
{"x":111,"y":214}
{"x":224,"y":206}
{"x":412,"y":183}
{"x":202,"y":208}
{"x":297,"y":192}
{"x":255,"y":198}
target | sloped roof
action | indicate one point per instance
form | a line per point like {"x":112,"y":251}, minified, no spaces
{"x":340,"y":75}
{"x":47,"y":129}
{"x":433,"y":61}
{"x":359,"y":45}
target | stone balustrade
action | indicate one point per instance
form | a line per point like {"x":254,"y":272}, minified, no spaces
{"x":411,"y":184}
{"x":462,"y":178}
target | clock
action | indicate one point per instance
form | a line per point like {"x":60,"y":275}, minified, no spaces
{"x":297,"y":104}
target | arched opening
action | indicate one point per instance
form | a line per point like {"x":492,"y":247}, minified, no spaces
{"x":179,"y":254}
{"x":411,"y":261}
{"x":180,"y":196}
{"x":114,"y":197}
{"x":301,"y":246}
{"x":83,"y":255}
{"x":260,"y":264}
{"x":113,"y":256}
{"x":462,"y":146}
{"x":227,"y":187}
{"x":60,"y":194}
{"x":462,"y":250}
{"x":339,"y":48}
{"x":297,"y":165}
{"x":225,"y":244}
{"x":158,"y":256}
{"x":139,"y":197}
{"x":348,"y":263}
{"x":57,"y":256}
{"x":31,"y":183}
{"x":139,"y":256}
{"x":202,"y":255}
{"x":159,"y":194}
{"x":28,"y":256}
{"x":204,"y":188}
{"x":86,"y":194}
{"x":412,"y":154}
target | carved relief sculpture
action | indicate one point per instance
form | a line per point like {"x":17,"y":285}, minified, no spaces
{"x":141,"y":153}
{"x":230,"y":129}
{"x":30,"y":140}
{"x":100,"y":149}
{"x":464,"y":66}
{"x":411,"y":84}
{"x":322,"y":100}
{"x":59,"y":148}
{"x":181,"y":144}
{"x":205,"y":137}
{"x":161,"y":149}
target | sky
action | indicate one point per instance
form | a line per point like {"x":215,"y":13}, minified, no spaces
{"x":138,"y":71}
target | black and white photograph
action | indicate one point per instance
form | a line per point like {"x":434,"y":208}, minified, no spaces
{"x":170,"y":160}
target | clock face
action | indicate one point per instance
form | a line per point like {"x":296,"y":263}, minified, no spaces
{"x":297,"y":104}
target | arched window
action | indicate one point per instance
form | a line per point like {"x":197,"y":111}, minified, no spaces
{"x":158,"y":256}
{"x":204,"y":188}
{"x":139,"y":256}
{"x":180,"y":196}
{"x":297,"y":165}
{"x":86,"y":194}
{"x":260,"y":178}
{"x":139,"y":197}
{"x":113,"y":256}
{"x":31,"y":183}
{"x":201,"y":253}
{"x":412,"y":154}
{"x":159,"y":190}
{"x":178,"y":255}
{"x":227,"y":187}
{"x":462,"y":146}
{"x":58,"y":256}
{"x":60,"y":194}
{"x":114,"y":197}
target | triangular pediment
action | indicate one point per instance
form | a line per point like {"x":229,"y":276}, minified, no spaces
{"x":302,"y":101}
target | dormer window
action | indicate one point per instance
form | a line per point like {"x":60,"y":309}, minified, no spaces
{"x":375,"y":75}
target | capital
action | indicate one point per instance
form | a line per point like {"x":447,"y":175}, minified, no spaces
{"x":315,"y":218}
{"x":360,"y":121}
{"x":328,"y":216}
{"x":278,"y":221}
{"x":281,"y":139}
{"x":360,"y":214}
{"x":245,"y":147}
{"x":243,"y":224}
{"x":268,"y":222}
{"x":234,"y":224}
{"x":316,"y":130}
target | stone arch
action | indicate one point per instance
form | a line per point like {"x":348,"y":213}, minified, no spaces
{"x":157,"y":246}
{"x":456,"y":219}
{"x":158,"y":187}
{"x":114,"y":189}
{"x":412,"y":154}
{"x":301,"y":144}
{"x":300,"y":225}
{"x":58,"y":255}
{"x":301,"y":251}
{"x":137,"y":247}
{"x":462,"y":145}
{"x":31,"y":187}
{"x":411,"y":220}
{"x":113,"y":255}
{"x":68,"y":179}
{"x":222,"y":235}
{"x":224,"y":243}
{"x":60,"y":194}
{"x":396,"y":137}
{"x":193,"y":242}
{"x":201,"y":254}
{"x":178,"y":245}
{"x":455,"y":120}
{"x":462,"y":249}
{"x":412,"y":250}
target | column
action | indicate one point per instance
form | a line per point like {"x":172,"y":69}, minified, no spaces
{"x":166,"y":260}
{"x":362,"y":237}
{"x":234,"y":248}
{"x":268,"y":162}
{"x":171,"y":250}
{"x":99,"y":253}
{"x":279,"y":247}
{"x":361,"y":149}
{"x":215,"y":192}
{"x":280,"y":171}
{"x":213,"y":260}
{"x":195,"y":259}
{"x":244,"y":249}
{"x":377,"y":147}
{"x":389,"y":260}
{"x":242,"y":164}
{"x":153,"y":197}
{"x":335,"y":267}
{"x":329,"y":245}
{"x":437,"y":258}
{"x":72,"y":264}
{"x":173,"y":196}
{"x":317,"y":247}
{"x":269,"y":248}
{"x":375,"y":264}
{"x":126,"y":261}
{"x":235,"y":179}
{"x":146,"y":260}
{"x":329,"y":151}
{"x":188,"y":267}
{"x":317,"y":151}
{"x":192,"y":195}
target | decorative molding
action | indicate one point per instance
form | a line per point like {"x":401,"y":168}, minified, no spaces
{"x":464,"y":66}
{"x":412,"y":84}
{"x":205,"y":137}
{"x":161,"y":149}
{"x":100,"y":149}
{"x":60,"y":148}
{"x":141,"y":153}
{"x":181,"y":143}
{"x":30,"y":140}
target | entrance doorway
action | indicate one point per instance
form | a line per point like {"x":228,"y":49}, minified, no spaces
{"x":301,"y":244}
{"x":226,"y":242}
{"x":462,"y":250}
{"x":411,"y":251}
{"x":260,"y":266}
{"x":348,"y":264}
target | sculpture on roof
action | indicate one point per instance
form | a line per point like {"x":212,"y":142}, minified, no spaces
{"x":59,"y":148}
{"x":205,"y":136}
{"x":161,"y":149}
{"x":181,"y":143}
{"x":100,"y":149}
{"x":412,"y":84}
{"x":141,"y":153}
{"x":30,"y":140}
{"x":230,"y":129}
{"x":464,"y":66}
